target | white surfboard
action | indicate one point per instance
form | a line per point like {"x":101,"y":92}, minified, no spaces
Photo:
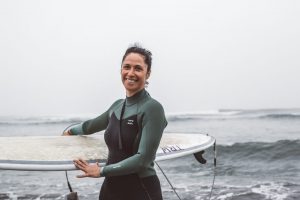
{"x":56,"y":153}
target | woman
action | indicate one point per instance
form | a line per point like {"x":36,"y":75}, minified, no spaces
{"x":134,"y":127}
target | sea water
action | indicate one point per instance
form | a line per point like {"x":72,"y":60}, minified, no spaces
{"x":258,"y":157}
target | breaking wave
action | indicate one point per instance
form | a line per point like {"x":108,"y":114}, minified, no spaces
{"x":225,"y":114}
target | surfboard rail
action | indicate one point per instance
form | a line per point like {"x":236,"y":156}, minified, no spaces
{"x":56,"y":153}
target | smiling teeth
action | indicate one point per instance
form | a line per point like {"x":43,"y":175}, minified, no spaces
{"x":130,"y":80}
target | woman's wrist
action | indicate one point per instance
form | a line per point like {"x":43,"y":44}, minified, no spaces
{"x":101,"y":171}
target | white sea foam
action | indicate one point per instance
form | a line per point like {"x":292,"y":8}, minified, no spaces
{"x":275,"y":191}
{"x":12,"y":196}
{"x":225,"y":196}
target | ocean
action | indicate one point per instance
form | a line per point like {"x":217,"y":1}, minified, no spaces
{"x":258,"y":157}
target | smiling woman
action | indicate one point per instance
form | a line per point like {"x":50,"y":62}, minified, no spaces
{"x":136,"y":69}
{"x":133,"y":130}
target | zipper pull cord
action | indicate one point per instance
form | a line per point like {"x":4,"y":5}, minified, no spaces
{"x":120,"y":128}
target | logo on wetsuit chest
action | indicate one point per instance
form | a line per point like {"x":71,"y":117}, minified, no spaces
{"x":130,"y":121}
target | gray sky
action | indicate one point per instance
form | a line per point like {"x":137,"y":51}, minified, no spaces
{"x":63,"y":57}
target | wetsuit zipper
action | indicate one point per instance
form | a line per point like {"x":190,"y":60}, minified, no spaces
{"x":120,"y":128}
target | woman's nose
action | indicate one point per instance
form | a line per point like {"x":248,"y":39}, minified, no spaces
{"x":131,"y":71}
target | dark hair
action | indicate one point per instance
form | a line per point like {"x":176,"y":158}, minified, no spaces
{"x":136,"y":48}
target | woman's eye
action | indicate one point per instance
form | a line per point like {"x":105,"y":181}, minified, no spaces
{"x":126,"y":67}
{"x":138,"y":69}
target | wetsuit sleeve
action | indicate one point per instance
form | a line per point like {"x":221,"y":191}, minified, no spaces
{"x":93,"y":125}
{"x":153,"y":124}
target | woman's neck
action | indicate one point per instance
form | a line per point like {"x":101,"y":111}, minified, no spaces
{"x":136,"y":97}
{"x":130,"y":94}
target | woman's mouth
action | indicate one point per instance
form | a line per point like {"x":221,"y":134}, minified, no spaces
{"x":130,"y":80}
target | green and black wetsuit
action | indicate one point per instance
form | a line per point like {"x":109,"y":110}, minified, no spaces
{"x":134,"y":127}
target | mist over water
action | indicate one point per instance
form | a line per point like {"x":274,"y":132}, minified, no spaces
{"x":258,"y":157}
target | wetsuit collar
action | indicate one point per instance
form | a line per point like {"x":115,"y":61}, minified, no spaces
{"x":136,"y":97}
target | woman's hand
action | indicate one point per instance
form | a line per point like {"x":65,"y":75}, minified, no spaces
{"x":90,"y":170}
{"x":67,"y":133}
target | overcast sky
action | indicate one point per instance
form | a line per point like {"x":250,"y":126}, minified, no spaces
{"x":63,"y":57}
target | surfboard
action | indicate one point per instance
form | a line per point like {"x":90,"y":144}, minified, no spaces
{"x":56,"y":153}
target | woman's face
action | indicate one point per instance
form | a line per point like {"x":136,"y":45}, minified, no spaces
{"x":134,"y":73}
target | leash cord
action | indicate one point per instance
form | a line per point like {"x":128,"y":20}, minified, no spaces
{"x":215,"y":169}
{"x":69,"y":185}
{"x":214,"y":178}
{"x":66,"y":172}
{"x":167,"y":180}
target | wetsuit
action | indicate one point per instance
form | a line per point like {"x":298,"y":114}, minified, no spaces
{"x":132,"y":143}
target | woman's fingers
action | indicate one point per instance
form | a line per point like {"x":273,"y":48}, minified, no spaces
{"x":67,"y":133}
{"x":84,"y":162}
{"x":81,"y":164}
{"x":90,"y":170}
{"x":82,"y":176}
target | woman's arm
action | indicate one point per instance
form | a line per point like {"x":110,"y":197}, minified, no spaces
{"x":93,"y":125}
{"x":90,"y":126}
